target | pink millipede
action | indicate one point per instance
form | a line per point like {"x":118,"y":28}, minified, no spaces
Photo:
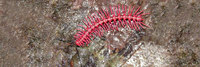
{"x":109,"y":20}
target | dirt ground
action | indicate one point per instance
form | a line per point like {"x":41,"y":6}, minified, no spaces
{"x":39,"y":33}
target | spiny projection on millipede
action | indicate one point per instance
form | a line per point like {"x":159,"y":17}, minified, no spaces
{"x":109,"y":19}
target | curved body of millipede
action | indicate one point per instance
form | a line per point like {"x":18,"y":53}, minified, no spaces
{"x":109,"y":19}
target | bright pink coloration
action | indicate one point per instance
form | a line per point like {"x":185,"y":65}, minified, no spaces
{"x":109,"y":20}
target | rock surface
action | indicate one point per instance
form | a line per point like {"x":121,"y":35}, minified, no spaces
{"x":39,"y":33}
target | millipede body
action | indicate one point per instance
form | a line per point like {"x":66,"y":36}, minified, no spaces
{"x":109,"y":19}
